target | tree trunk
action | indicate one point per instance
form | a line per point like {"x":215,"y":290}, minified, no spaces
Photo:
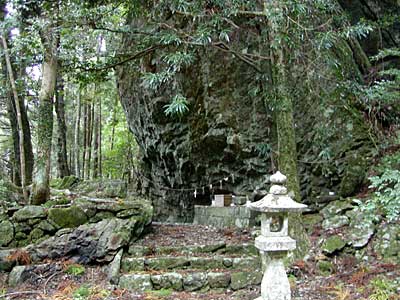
{"x":19,"y":118}
{"x":62,"y":159}
{"x":88,"y":146}
{"x":283,"y":106}
{"x":76,"y":133}
{"x":41,"y":189}
{"x":85,"y":128}
{"x":95,"y":146}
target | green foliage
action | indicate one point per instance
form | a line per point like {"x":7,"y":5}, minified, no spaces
{"x":383,"y":289}
{"x":81,"y":293}
{"x":178,"y":106}
{"x":75,"y":269}
{"x":387,"y":190}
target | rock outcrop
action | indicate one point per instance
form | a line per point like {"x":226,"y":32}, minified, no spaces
{"x":229,"y":130}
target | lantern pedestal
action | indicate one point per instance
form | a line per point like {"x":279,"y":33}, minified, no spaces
{"x":274,"y":242}
{"x":275,"y":284}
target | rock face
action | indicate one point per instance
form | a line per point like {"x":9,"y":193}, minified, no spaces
{"x":228,"y":132}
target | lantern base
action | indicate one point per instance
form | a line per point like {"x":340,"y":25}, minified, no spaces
{"x":275,"y":284}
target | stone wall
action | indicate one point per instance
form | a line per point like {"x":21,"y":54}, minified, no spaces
{"x":221,"y":217}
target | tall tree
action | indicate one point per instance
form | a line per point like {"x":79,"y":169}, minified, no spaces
{"x":77,"y":133}
{"x":18,"y":73}
{"x":62,"y":159}
{"x":50,"y":37}
{"x":19,"y":116}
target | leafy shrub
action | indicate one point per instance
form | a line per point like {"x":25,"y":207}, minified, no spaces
{"x":75,"y":269}
{"x":386,"y":200}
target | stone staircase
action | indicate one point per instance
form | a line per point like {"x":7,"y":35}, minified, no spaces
{"x":218,"y":266}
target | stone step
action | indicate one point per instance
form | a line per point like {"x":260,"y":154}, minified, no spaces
{"x":137,"y":250}
{"x":190,"y":281}
{"x":131,"y":264}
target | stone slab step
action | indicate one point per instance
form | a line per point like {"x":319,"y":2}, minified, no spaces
{"x":130,"y":264}
{"x":190,"y":281}
{"x":218,"y":248}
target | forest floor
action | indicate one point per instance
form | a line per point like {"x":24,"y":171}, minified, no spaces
{"x":349,"y":280}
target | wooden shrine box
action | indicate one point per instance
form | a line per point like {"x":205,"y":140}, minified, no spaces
{"x":222,"y":200}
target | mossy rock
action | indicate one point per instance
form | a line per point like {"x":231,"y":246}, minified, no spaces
{"x":29,"y":212}
{"x":333,"y":244}
{"x":35,"y":235}
{"x":6,"y":233}
{"x":68,"y":217}
{"x":66,"y":182}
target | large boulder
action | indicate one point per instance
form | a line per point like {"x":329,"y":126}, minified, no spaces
{"x":102,"y":188}
{"x":89,"y":243}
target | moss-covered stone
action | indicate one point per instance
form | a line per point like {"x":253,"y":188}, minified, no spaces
{"x":48,"y":226}
{"x":131,"y":264}
{"x":29,"y":212}
{"x":102,"y":215}
{"x":219,"y":280}
{"x":64,"y":183}
{"x":240,"y":280}
{"x":135,"y":282}
{"x":6,"y":233}
{"x":68,"y":217}
{"x":195,"y":282}
{"x":167,"y":263}
{"x":333,"y":244}
{"x":35,"y":235}
{"x":167,"y":281}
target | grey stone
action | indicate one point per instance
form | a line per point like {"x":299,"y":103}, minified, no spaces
{"x":167,"y":281}
{"x":240,"y":280}
{"x":194,"y":282}
{"x":387,"y":243}
{"x":130,"y":264}
{"x":35,"y":235}
{"x":29,"y":212}
{"x":69,"y":217}
{"x":94,"y":242}
{"x":361,"y":229}
{"x":336,"y":208}
{"x":48,"y":226}
{"x":114,"y":268}
{"x":205,"y":263}
{"x":135,"y":282}
{"x":6,"y":264}
{"x":219,"y":280}
{"x":16,"y":276}
{"x":333,"y":244}
{"x":335,"y":222}
{"x":29,"y":274}
{"x":6,"y":233}
{"x":249,"y":263}
{"x":166,"y":263}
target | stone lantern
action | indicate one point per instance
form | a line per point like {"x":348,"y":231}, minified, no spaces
{"x":274,"y":242}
